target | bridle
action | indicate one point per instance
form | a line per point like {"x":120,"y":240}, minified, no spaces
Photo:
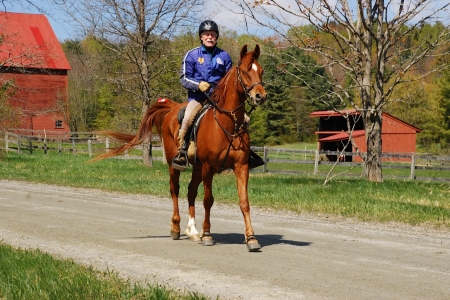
{"x":246,"y":89}
{"x":232,"y":112}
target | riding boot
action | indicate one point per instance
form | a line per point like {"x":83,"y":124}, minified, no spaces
{"x":254,"y":160}
{"x":179,"y":162}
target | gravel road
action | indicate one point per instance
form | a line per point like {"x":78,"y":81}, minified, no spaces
{"x":303,"y":256}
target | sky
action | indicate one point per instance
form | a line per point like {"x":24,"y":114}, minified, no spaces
{"x":219,"y":13}
{"x":63,"y":30}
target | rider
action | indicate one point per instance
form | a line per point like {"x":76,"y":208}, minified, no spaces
{"x":202,"y":68}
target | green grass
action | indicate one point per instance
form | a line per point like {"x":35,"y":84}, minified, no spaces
{"x":32,"y":274}
{"x":405,"y":201}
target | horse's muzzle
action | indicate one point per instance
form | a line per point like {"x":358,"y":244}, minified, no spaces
{"x":258,"y":98}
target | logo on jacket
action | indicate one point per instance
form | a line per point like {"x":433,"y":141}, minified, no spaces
{"x":219,"y":61}
{"x":201,"y":60}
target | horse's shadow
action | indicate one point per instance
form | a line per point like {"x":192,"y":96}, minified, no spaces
{"x":238,"y":238}
{"x":264,"y":239}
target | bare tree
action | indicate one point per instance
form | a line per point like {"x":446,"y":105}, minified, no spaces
{"x":366,"y":43}
{"x":134,"y":32}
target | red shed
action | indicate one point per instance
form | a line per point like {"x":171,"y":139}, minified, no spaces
{"x":32,"y":58}
{"x":397,"y":136}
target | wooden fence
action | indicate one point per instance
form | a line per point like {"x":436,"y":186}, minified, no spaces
{"x":284,"y":161}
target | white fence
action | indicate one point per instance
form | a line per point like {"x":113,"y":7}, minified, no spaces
{"x":311,"y":162}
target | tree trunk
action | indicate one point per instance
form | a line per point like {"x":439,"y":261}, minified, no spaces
{"x":147,"y":158}
{"x":373,"y":169}
{"x":143,"y":35}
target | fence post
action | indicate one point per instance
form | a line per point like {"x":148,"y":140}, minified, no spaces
{"x":30,"y":144}
{"x":18,"y":143}
{"x":59,"y":146}
{"x":107,"y":144}
{"x":163,"y":152}
{"x":45,"y":145}
{"x":74,"y":149}
{"x":6,"y":142}
{"x":413,"y":167}
{"x":266,"y":157}
{"x":316,"y":163}
{"x":90,"y":147}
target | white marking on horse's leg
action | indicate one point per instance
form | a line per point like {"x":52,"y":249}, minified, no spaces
{"x":191,"y":230}
{"x":254,"y":67}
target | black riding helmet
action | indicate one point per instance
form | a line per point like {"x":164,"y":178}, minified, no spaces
{"x":208,"y":25}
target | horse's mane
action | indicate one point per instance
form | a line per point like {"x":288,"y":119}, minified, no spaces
{"x":219,"y":92}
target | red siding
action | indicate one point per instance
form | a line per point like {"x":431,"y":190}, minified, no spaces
{"x":36,"y":96}
{"x":33,"y":58}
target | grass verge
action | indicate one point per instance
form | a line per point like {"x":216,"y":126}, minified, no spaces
{"x":32,"y":274}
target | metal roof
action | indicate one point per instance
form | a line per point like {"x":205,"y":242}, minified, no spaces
{"x":351,"y":112}
{"x":28,"y":41}
{"x":332,"y":113}
{"x":342,"y":136}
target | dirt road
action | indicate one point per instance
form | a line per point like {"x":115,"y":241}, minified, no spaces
{"x":303,"y":257}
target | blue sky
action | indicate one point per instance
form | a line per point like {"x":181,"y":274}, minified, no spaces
{"x":63,"y":30}
{"x":221,"y":15}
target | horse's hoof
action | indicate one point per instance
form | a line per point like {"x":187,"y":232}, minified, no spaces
{"x":252,"y":244}
{"x":207,"y":240}
{"x":196,"y":238}
{"x":175,"y":235}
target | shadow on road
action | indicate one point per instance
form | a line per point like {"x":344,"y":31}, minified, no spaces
{"x":263,"y":239}
{"x":238,"y":238}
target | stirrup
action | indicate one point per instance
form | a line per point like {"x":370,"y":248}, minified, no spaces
{"x":179,"y":162}
{"x":254,"y":160}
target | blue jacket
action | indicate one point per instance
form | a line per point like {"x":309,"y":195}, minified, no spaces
{"x":198,"y":65}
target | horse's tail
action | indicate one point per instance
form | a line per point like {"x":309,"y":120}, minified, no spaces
{"x":153,"y":117}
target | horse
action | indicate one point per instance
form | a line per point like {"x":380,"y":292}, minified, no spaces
{"x":222,"y":143}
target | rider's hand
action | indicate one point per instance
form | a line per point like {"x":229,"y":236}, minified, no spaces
{"x":203,"y":86}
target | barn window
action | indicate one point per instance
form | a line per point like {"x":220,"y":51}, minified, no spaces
{"x":58,"y":124}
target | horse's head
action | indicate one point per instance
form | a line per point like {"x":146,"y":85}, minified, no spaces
{"x":250,"y":75}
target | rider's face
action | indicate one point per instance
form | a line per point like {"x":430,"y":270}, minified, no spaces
{"x":209,"y":38}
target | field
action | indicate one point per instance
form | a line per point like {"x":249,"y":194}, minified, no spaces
{"x":404,"y":201}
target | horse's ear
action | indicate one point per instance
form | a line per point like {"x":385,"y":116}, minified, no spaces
{"x":243,"y":51}
{"x":256,"y":52}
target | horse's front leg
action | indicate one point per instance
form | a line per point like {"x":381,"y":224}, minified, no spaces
{"x":241,"y":172}
{"x":191,"y":230}
{"x":174,"y":191}
{"x":208,"y":202}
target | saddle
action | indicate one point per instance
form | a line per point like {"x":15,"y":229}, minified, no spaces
{"x":191,"y":135}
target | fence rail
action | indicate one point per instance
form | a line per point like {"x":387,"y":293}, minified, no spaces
{"x":285,"y":161}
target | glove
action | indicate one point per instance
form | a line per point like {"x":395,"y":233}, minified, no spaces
{"x":203,"y":86}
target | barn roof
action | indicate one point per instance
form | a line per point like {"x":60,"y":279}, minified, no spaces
{"x":342,"y":136}
{"x":28,"y":41}
{"x":351,"y":112}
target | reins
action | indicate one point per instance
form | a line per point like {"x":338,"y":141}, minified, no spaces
{"x":237,"y":129}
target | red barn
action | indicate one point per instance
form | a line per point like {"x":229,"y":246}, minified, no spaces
{"x":33,"y":60}
{"x":397,"y":136}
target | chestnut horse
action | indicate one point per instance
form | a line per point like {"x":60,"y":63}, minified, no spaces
{"x":223,"y":142}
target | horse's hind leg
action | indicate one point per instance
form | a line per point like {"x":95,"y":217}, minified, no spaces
{"x":191,"y":230}
{"x":242,"y":185}
{"x":174,"y":191}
